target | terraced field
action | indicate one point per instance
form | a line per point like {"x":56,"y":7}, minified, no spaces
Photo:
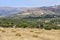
{"x":28,"y":34}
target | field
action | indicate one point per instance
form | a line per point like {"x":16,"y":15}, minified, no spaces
{"x":28,"y":34}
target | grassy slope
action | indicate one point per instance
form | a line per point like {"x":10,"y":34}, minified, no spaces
{"x":28,"y":34}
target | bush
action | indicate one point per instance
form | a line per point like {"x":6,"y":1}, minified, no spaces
{"x":56,"y":27}
{"x":47,"y":27}
{"x":6,"y":25}
{"x":23,"y":25}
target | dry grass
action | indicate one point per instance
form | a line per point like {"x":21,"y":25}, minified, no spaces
{"x":28,"y":34}
{"x":18,"y":34}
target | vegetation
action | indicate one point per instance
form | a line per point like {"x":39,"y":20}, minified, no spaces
{"x":45,"y":22}
{"x":34,"y":33}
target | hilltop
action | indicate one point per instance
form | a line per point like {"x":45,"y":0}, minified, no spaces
{"x":5,"y":11}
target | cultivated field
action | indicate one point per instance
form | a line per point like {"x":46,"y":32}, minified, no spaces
{"x":28,"y":34}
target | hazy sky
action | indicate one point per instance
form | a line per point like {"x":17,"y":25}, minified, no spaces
{"x":28,"y":3}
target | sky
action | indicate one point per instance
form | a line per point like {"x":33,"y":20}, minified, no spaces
{"x":28,"y":3}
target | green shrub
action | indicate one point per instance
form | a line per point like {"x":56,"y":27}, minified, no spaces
{"x":6,"y":25}
{"x":23,"y":25}
{"x":47,"y":27}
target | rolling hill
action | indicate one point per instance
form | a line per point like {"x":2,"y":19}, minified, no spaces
{"x":34,"y":12}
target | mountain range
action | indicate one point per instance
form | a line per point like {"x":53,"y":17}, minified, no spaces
{"x":35,"y":11}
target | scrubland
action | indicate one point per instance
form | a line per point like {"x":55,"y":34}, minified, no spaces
{"x":28,"y":34}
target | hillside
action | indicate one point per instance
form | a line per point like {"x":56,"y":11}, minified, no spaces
{"x":4,"y":11}
{"x":37,"y":17}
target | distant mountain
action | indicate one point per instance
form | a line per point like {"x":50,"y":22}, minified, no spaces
{"x":55,"y":9}
{"x":36,"y":11}
{"x":5,"y":11}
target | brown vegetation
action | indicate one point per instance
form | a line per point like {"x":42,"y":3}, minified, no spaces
{"x":28,"y":34}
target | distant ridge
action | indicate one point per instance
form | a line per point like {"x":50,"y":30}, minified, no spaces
{"x":5,"y":11}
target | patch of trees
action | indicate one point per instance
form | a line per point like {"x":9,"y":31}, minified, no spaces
{"x":30,"y":23}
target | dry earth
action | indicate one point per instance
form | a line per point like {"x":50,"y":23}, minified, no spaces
{"x":28,"y":34}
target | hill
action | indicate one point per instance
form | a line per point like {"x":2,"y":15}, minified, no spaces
{"x":5,"y":11}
